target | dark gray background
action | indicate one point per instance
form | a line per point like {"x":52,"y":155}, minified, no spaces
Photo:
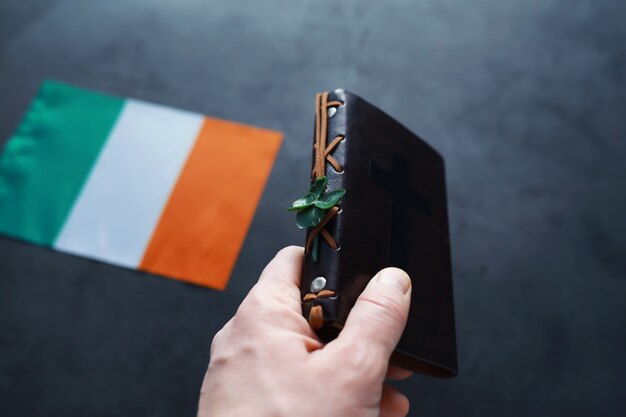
{"x":526,"y":100}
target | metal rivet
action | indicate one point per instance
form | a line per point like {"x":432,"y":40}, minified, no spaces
{"x":332,"y":111}
{"x":318,"y":284}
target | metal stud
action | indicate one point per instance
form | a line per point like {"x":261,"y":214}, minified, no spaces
{"x":331,"y":111}
{"x":318,"y":284}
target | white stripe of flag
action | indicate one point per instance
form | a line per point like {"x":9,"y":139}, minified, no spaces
{"x":120,"y":204}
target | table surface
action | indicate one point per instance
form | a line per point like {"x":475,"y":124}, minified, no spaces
{"x":525,"y":100}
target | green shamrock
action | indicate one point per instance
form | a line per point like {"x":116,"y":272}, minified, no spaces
{"x":312,"y":207}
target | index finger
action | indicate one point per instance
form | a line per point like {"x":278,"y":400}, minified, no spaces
{"x":280,"y":280}
{"x":284,"y":270}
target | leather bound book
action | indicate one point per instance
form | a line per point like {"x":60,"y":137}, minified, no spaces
{"x":393,"y":213}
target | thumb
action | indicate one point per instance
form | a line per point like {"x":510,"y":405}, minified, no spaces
{"x":379,"y":315}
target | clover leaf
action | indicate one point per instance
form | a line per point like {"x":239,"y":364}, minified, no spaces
{"x":330,"y":199}
{"x":309,"y":217}
{"x":319,"y":186}
{"x":304,"y":202}
{"x":313,"y":205}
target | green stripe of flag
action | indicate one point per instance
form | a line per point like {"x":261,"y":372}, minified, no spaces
{"x":47,"y":160}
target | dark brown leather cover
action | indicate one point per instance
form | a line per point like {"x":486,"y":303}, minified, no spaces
{"x":394,"y":213}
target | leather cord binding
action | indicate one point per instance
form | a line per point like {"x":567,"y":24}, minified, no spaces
{"x":322,"y":156}
{"x":316,"y":315}
{"x":322,"y":152}
{"x":319,"y":229}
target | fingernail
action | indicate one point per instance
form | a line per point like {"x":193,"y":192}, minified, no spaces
{"x":396,"y":278}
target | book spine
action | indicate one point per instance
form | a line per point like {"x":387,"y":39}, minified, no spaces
{"x":320,"y":281}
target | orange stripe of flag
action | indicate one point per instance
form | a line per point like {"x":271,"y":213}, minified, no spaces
{"x":206,"y":219}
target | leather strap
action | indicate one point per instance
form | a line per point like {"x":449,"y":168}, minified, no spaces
{"x":322,"y":156}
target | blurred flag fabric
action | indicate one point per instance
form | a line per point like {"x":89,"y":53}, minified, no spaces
{"x":135,"y":184}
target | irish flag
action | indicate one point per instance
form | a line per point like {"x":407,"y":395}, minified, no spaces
{"x":134,"y":184}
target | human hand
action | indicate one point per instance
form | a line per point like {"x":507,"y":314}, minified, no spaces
{"x":266,"y":361}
